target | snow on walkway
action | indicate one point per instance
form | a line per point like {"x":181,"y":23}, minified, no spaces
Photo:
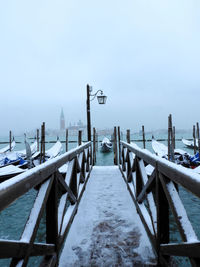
{"x":107,"y":230}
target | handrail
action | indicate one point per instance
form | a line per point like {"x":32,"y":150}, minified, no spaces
{"x":59,"y":193}
{"x":11,"y":189}
{"x":154,"y":190}
{"x":178,"y":174}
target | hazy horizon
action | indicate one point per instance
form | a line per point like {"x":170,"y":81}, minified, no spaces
{"x":143,"y":54}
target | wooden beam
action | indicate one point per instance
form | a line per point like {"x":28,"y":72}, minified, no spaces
{"x":191,"y":250}
{"x":185,"y":227}
{"x":33,"y":221}
{"x":149,"y":196}
{"x":66,"y":188}
{"x":147,"y":188}
{"x":18,"y":249}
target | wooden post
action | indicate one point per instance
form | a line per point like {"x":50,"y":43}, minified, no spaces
{"x":38,"y":139}
{"x":194,"y":138}
{"x":162,"y":215}
{"x":10,"y":139}
{"x":66,"y":141}
{"x":170,"y":142}
{"x":52,"y":217}
{"x":128,"y":136}
{"x":97,"y":143}
{"x":119,"y":145}
{"x":115,"y":146}
{"x":174,"y":137}
{"x":198,"y":137}
{"x":41,"y":145}
{"x":94,"y":146}
{"x":168,"y":138}
{"x":79,"y":138}
{"x":143,"y":135}
{"x":43,"y":141}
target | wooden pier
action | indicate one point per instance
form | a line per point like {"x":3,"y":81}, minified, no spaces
{"x":107,"y":230}
{"x":106,"y":223}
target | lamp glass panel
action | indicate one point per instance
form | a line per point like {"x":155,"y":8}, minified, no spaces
{"x":102,"y":99}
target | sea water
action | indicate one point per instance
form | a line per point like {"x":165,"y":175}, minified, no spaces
{"x":13,"y":219}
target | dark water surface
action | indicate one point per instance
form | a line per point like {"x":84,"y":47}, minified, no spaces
{"x":12,"y":220}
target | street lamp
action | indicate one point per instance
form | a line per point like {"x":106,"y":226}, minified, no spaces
{"x":101,"y":100}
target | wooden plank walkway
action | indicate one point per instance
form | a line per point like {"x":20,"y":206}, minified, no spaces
{"x":107,"y":230}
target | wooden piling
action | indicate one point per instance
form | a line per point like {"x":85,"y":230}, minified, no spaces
{"x":198,"y":138}
{"x":10,"y":139}
{"x":97,"y":142}
{"x":194,"y":138}
{"x":79,"y":138}
{"x":128,"y":136}
{"x":41,"y":146}
{"x":66,"y":140}
{"x":43,"y":141}
{"x":115,"y":146}
{"x":174,"y":137}
{"x":119,"y":145}
{"x":38,"y":139}
{"x":94,"y":146}
{"x":170,"y":138}
{"x":143,"y":136}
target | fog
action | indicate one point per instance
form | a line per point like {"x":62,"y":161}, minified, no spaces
{"x":143,"y":54}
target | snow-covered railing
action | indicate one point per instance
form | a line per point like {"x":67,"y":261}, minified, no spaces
{"x":60,"y":183}
{"x":153,"y":183}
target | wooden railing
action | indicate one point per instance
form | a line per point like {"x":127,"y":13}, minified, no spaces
{"x":60,"y":183}
{"x":153,"y":183}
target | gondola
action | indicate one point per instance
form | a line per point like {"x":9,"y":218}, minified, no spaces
{"x":106,"y":145}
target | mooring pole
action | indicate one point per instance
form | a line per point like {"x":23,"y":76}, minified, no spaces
{"x":198,"y":137}
{"x":43,"y":141}
{"x":88,"y":113}
{"x":10,"y":139}
{"x":174,"y":137}
{"x":119,"y":145}
{"x":97,"y":142}
{"x":94,"y":146}
{"x":66,"y":141}
{"x":143,"y":136}
{"x":194,"y":138}
{"x":79,"y":138}
{"x":41,"y":145}
{"x":170,"y":134}
{"x":37,"y":138}
{"x":115,"y":146}
{"x":128,"y":136}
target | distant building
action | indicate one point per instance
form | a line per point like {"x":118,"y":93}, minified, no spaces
{"x":75,"y":127}
{"x":62,"y":121}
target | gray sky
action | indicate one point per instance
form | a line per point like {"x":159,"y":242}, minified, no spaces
{"x":144,"y":54}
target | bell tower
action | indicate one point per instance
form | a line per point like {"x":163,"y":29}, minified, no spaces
{"x":62,"y":120}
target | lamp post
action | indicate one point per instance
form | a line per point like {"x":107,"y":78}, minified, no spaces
{"x":101,"y":100}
